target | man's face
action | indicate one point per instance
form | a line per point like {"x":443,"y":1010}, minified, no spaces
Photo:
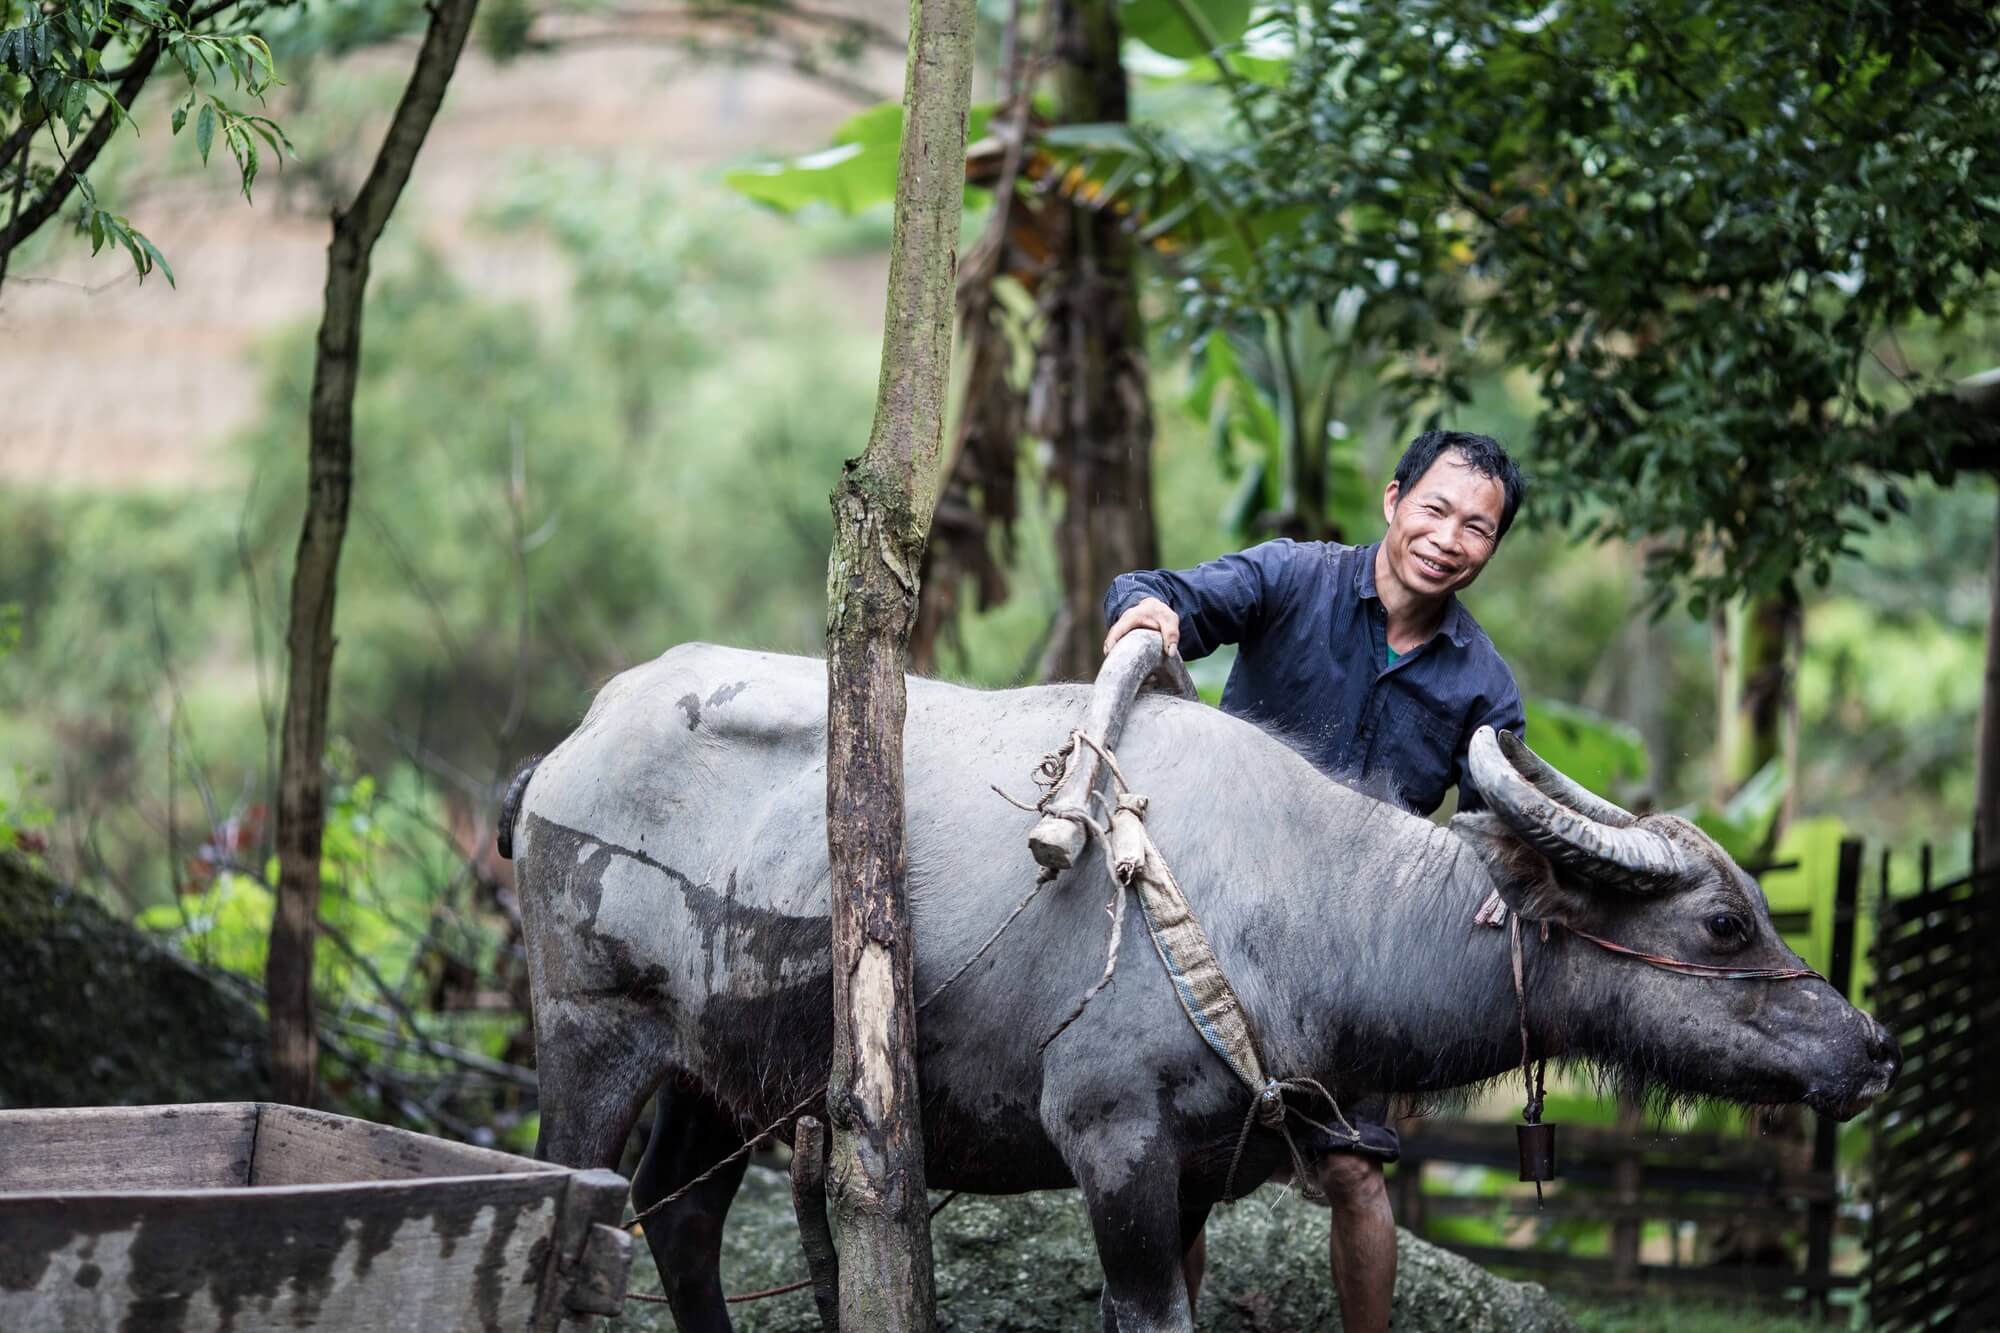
{"x":1444,"y":529}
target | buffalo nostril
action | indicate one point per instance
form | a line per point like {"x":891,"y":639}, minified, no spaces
{"x":1882,"y":1047}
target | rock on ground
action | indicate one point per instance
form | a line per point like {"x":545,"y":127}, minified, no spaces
{"x":93,"y":1013}
{"x":1026,"y":1265}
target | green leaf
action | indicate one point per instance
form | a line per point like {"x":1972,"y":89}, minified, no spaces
{"x":1162,"y":24}
{"x":272,"y":133}
{"x":883,"y":124}
{"x":154,"y":254}
{"x":204,"y":131}
{"x":848,"y":177}
{"x":857,"y":173}
{"x":879,"y":124}
{"x":1599,"y":752}
{"x":75,"y":101}
{"x":244,"y":148}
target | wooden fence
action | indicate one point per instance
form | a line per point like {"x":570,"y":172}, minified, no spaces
{"x":1623,"y":1178}
{"x":1935,"y":1224}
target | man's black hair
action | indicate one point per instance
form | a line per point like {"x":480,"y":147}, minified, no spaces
{"x":1481,"y":453}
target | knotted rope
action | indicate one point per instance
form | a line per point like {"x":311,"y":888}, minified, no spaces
{"x":1199,"y":983}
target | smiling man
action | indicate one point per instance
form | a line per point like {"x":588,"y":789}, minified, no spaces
{"x":1362,"y":658}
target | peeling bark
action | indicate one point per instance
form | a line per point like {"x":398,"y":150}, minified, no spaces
{"x":309,"y":640}
{"x":882,"y":511}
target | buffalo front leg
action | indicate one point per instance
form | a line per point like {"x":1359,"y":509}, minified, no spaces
{"x":1133,"y":1196}
{"x":691,"y":1134}
{"x":1194,"y":1250}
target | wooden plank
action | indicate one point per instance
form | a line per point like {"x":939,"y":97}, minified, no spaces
{"x":469,"y":1253}
{"x":1826,"y":1132}
{"x":300,"y":1147}
{"x":1566,"y":1207}
{"x":1597,"y":1270}
{"x":1745,"y":1170}
{"x":1440,"y":1139}
{"x":590,"y":1255}
{"x":1935,"y":1168}
{"x":1915,"y":941}
{"x":1920,"y":940}
{"x":1937,"y":1002}
{"x":197,"y":1146}
{"x":1625,"y":1176}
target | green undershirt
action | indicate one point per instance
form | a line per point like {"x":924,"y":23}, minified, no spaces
{"x":1393,"y":655}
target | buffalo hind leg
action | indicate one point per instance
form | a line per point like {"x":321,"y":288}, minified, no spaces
{"x":690,"y":1135}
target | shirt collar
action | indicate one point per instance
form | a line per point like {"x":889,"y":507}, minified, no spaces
{"x":1454,"y":626}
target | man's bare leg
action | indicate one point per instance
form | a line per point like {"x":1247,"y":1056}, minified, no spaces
{"x":1194,"y":1263}
{"x":1362,"y":1248}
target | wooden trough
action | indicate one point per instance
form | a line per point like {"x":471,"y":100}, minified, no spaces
{"x":249,"y":1216}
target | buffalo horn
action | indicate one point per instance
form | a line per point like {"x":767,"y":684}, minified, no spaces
{"x":1559,"y":788}
{"x":1626,"y":856}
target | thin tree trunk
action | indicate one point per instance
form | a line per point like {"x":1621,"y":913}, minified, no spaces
{"x":1728,"y":719}
{"x":1986,"y":805}
{"x":1773,"y":635}
{"x":309,"y":640}
{"x":882,"y":512}
{"x":1091,"y":399}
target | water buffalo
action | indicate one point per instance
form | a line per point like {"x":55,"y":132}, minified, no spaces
{"x":673,"y":882}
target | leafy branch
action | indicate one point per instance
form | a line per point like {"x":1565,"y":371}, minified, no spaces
{"x":53,"y":75}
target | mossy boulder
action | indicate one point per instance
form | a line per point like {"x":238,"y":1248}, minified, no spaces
{"x":1026,"y":1265}
{"x":94,"y":1013}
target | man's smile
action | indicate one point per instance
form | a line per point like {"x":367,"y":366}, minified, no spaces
{"x":1434,"y":568}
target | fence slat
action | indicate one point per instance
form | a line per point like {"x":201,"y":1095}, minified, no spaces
{"x":1936,"y":1162}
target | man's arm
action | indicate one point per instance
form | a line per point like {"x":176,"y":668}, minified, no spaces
{"x":1198,"y":610}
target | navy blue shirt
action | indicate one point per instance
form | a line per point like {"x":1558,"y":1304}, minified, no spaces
{"x":1313,"y":642}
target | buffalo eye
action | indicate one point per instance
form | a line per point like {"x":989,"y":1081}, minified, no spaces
{"x":1728,"y":927}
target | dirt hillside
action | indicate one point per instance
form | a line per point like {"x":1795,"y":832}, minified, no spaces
{"x":108,"y":383}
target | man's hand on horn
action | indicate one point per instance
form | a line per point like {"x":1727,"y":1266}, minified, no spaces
{"x":1152,"y":613}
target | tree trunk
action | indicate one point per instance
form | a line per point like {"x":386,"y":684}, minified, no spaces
{"x":1090,"y":400}
{"x":309,"y":640}
{"x":1773,"y":636}
{"x":882,"y":511}
{"x":1087,"y":392}
{"x":1986,"y":806}
{"x":1722,"y":655}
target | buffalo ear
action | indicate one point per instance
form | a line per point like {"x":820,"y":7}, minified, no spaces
{"x":1526,"y":880}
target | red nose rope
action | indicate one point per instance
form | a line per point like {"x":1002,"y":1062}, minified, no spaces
{"x":1538,"y":1141}
{"x":1711,"y":970}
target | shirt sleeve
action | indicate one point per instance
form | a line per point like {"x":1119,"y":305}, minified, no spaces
{"x":1218,"y":602}
{"x":1504,"y":712}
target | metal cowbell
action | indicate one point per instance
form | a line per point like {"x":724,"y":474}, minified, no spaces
{"x":1538,"y":1151}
